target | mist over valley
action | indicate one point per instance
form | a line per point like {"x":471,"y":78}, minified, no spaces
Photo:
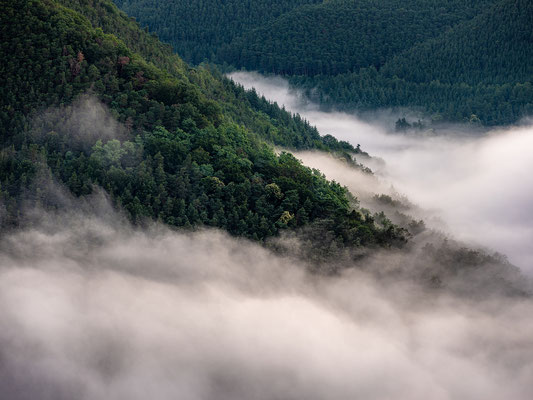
{"x":353,"y":221}
{"x":476,"y":184}
{"x":92,"y":307}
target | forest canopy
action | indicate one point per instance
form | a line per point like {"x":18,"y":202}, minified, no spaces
{"x":455,"y":60}
{"x":84,"y":109}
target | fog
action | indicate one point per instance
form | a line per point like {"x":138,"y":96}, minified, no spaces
{"x":477,"y":185}
{"x":79,"y":124}
{"x":92,"y":308}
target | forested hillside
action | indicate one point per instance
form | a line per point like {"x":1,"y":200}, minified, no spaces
{"x":341,"y":36}
{"x":455,"y":60}
{"x":476,"y":72}
{"x":496,"y":47}
{"x":179,"y":145}
{"x":197,"y":29}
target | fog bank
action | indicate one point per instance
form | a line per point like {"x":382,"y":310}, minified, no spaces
{"x":92,"y":308}
{"x":477,"y":184}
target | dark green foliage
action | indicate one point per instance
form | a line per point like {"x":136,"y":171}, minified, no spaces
{"x":189,"y":149}
{"x":494,"y":48}
{"x":197,"y":29}
{"x":342,"y":36}
{"x":478,"y":71}
{"x":457,"y":60}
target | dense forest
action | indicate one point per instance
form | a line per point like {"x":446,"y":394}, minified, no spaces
{"x":343,"y":36}
{"x":197,"y":29}
{"x":187,"y":147}
{"x":455,"y":60}
{"x":91,"y":103}
{"x":476,"y":72}
{"x":167,"y":234}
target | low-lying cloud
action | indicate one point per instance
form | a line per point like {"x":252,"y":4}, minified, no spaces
{"x":79,"y":124}
{"x":478,"y":184}
{"x":93,"y":308}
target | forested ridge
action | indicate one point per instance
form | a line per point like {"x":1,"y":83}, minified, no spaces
{"x":184,"y":146}
{"x":341,"y":36}
{"x":495,"y":47}
{"x":476,"y":72}
{"x":454,"y":60}
{"x":92,"y":104}
{"x":197,"y":29}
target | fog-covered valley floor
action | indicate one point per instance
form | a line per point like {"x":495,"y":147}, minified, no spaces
{"x":92,"y":308}
{"x":478,"y":186}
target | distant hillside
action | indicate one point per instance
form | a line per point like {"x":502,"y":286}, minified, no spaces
{"x":197,"y":29}
{"x":455,"y":60}
{"x":341,"y":36}
{"x":496,"y":47}
{"x":479,"y":71}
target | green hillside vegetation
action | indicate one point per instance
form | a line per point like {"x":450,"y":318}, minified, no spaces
{"x":494,"y":48}
{"x":197,"y":29}
{"x":340,"y":36}
{"x":185,"y":150}
{"x":477,"y":72}
{"x":455,"y":60}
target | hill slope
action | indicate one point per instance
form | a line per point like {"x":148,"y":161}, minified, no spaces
{"x":341,"y":36}
{"x":197,"y":29}
{"x":496,"y":47}
{"x":81,"y":108}
{"x":477,"y":71}
{"x":456,"y":60}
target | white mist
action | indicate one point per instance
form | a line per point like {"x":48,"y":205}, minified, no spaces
{"x":480,"y":185}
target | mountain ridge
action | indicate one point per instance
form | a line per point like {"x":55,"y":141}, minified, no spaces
{"x":183,"y":158}
{"x":431,"y":56}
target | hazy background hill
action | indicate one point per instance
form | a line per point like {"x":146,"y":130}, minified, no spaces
{"x":343,"y":36}
{"x":197,"y":29}
{"x":455,"y":60}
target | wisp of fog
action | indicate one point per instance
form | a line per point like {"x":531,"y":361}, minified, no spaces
{"x":478,"y":184}
{"x":92,"y":308}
